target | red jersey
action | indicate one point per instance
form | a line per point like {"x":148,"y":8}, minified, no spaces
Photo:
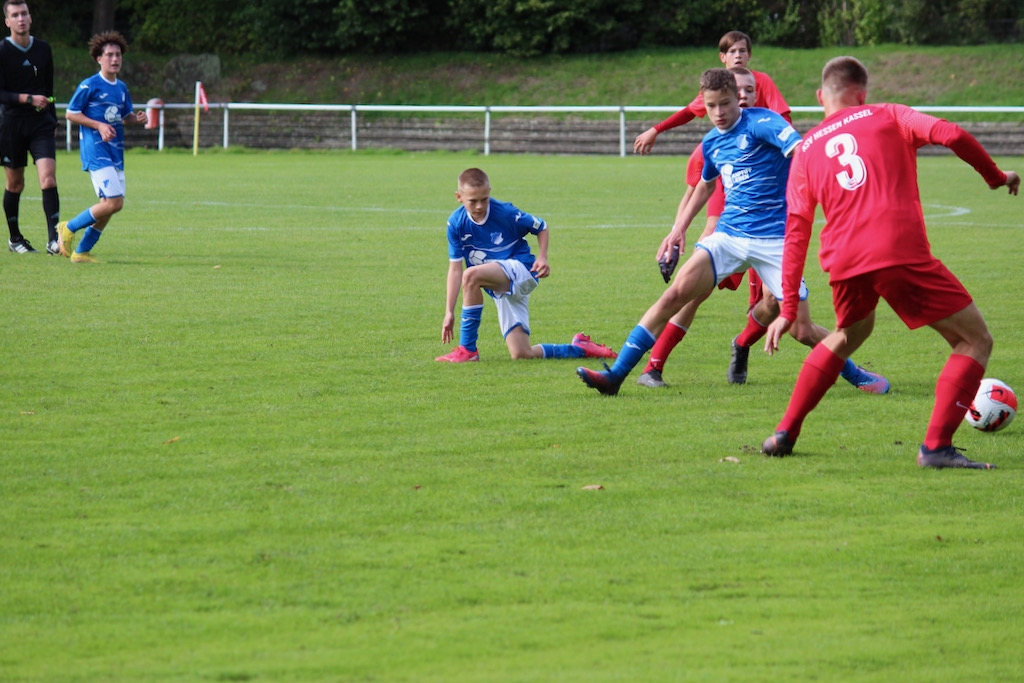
{"x":767,"y":96}
{"x":860,"y":165}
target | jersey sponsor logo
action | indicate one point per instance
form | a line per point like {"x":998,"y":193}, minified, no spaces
{"x":732,"y":176}
{"x":111,"y":114}
{"x":26,"y":63}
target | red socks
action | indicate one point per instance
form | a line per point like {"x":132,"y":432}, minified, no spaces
{"x":667,"y":340}
{"x":752,"y":333}
{"x":955,"y":389}
{"x":819,"y":372}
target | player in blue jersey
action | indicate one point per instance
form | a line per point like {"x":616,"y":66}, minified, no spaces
{"x":750,"y":149}
{"x":489,"y":238}
{"x":101,"y":106}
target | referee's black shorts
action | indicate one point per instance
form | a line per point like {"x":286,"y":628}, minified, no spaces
{"x":20,"y":135}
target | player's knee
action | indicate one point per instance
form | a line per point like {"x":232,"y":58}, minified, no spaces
{"x":805,"y":334}
{"x":469,"y":277}
{"x":983,"y":343}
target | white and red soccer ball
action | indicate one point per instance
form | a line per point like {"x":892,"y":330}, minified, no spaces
{"x":993,"y":408}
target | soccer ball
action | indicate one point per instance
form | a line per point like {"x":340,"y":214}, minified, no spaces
{"x":476,"y":257}
{"x":993,"y":408}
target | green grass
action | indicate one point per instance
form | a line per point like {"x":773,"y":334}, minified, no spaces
{"x":228,"y":454}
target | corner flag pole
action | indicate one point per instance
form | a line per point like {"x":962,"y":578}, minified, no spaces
{"x":195,"y":127}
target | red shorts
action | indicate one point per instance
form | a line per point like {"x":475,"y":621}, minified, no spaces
{"x":920,"y":294}
{"x":734,"y":281}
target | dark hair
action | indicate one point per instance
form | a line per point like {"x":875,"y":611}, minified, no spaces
{"x":719,"y":79}
{"x":474,"y":177}
{"x":13,"y":2}
{"x":841,"y":73}
{"x":101,"y":40}
{"x":733,"y":37}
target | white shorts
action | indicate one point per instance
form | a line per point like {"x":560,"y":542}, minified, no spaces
{"x":730,"y":254}
{"x":108,"y":182}
{"x":514,"y":305}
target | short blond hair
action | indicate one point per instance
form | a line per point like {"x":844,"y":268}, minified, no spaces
{"x":474,"y":177}
{"x":842,"y":73}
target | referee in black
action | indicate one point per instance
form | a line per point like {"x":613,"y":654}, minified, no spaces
{"x":29,"y":123}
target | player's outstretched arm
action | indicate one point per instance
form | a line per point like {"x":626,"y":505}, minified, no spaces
{"x":688,"y":209}
{"x":645,"y":141}
{"x":967,"y":147}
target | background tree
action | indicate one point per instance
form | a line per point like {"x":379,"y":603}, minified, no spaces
{"x":103,"y":15}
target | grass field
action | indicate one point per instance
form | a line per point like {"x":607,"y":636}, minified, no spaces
{"x":228,"y":453}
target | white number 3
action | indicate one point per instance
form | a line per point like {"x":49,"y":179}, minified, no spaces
{"x":844,"y":146}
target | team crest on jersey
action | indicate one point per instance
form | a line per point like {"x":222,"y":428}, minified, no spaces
{"x":743,"y":143}
{"x":497,"y":238}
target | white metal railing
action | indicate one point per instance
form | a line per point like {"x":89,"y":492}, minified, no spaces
{"x":621,"y":110}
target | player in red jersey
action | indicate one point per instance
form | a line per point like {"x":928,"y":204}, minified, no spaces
{"x":734,"y":49}
{"x":860,"y":165}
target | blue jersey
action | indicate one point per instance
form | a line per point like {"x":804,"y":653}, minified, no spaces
{"x":101,"y":100}
{"x":501,"y":236}
{"x":752,"y":158}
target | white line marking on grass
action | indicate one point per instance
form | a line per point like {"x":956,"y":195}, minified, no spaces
{"x":288,"y":207}
{"x":951,"y":211}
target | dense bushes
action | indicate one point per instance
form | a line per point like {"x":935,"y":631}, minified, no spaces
{"x":533,"y":27}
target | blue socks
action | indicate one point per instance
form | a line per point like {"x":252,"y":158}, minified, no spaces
{"x":82,"y":220}
{"x":469,"y":331}
{"x":88,"y":240}
{"x":562,"y":351}
{"x":639,"y":342}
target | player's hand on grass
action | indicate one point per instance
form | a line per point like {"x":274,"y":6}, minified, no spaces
{"x":776,"y":331}
{"x":645,"y":141}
